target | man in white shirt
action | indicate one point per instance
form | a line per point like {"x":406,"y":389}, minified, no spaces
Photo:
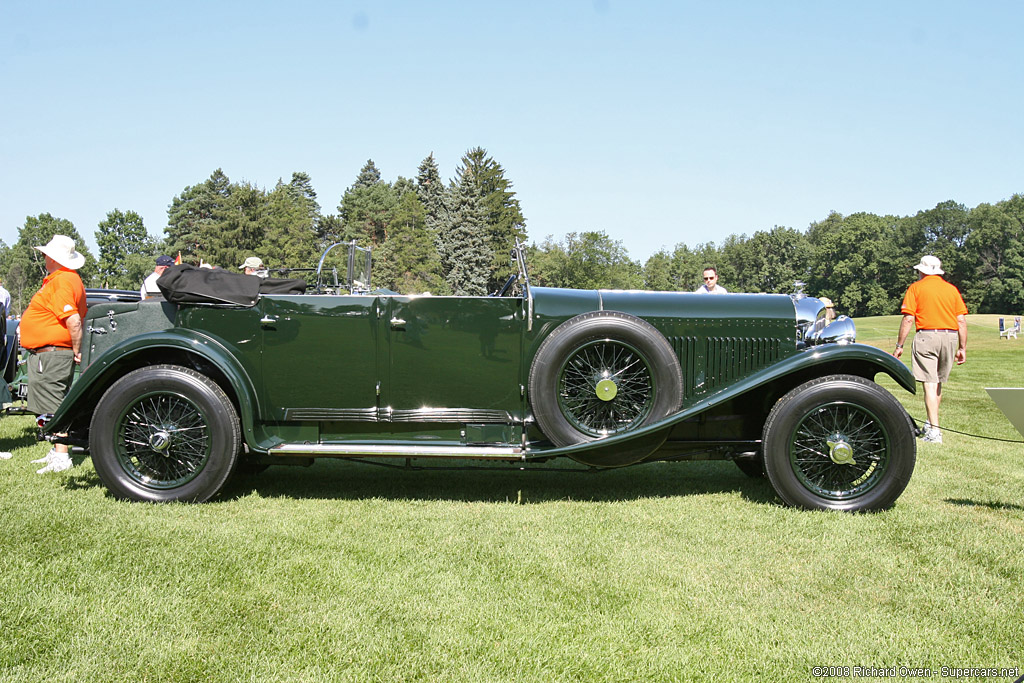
{"x":711,"y":285}
{"x":149,"y":288}
{"x":5,"y":300}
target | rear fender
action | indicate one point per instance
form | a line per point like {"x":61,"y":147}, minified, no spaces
{"x":106,"y":369}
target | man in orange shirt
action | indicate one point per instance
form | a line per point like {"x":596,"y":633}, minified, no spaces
{"x":938,"y":312}
{"x":51,"y":331}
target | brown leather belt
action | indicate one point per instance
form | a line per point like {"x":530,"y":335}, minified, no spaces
{"x":44,"y":349}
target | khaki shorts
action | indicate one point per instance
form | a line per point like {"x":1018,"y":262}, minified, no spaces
{"x":49,"y":378}
{"x":934,"y":354}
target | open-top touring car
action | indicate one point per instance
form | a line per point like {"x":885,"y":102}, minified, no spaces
{"x":173,"y":397}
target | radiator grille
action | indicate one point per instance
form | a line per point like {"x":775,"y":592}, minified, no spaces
{"x":709,"y":363}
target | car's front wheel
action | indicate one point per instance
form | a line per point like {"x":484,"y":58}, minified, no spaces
{"x":839,"y":443}
{"x":164,"y":433}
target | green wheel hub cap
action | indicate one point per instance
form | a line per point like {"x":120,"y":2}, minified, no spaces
{"x":606,"y":390}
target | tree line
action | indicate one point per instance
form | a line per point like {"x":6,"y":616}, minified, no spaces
{"x":455,"y":237}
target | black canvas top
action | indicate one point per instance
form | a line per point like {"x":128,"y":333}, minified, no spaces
{"x":185,"y":283}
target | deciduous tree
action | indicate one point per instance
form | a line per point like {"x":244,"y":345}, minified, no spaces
{"x":126,"y":250}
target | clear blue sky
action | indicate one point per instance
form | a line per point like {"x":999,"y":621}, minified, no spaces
{"x":656,"y":122}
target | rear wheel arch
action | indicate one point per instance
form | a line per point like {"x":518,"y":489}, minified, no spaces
{"x":163,"y":355}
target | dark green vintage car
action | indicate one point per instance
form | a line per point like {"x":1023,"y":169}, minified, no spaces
{"x":174,"y":398}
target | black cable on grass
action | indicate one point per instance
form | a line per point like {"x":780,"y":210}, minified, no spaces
{"x":976,"y":436}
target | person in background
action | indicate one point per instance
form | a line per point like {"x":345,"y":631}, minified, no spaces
{"x":711,"y":285}
{"x":149,"y":288}
{"x":51,"y":332}
{"x":830,"y":310}
{"x":5,"y":300}
{"x":939,"y":314}
{"x":254,"y":266}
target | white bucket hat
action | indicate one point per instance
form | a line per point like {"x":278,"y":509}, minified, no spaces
{"x":62,"y":250}
{"x":252,"y":262}
{"x":930,"y":265}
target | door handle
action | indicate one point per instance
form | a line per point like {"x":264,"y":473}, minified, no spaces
{"x":268,"y":320}
{"x":398,"y":324}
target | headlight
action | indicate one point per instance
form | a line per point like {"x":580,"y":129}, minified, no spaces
{"x":842,"y":330}
{"x":810,"y":319}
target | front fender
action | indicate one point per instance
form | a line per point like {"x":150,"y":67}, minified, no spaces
{"x":103,"y":371}
{"x":656,"y":432}
{"x":857,"y":353}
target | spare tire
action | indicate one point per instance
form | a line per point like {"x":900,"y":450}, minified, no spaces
{"x":600,"y":374}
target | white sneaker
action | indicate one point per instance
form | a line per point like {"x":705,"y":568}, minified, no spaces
{"x":59,"y":463}
{"x":932,"y":435}
{"x":4,"y":455}
{"x":46,"y":458}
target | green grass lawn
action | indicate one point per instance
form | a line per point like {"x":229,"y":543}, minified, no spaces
{"x":685,"y":571}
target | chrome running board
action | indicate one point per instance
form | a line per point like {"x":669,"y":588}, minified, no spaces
{"x":360,"y":450}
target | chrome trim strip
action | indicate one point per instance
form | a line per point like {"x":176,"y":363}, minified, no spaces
{"x":451,"y":415}
{"x":386,"y":414}
{"x":342,"y":450}
{"x":332,"y":414}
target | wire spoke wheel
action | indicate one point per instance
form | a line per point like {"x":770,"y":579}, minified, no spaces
{"x":164,"y":433}
{"x":605,"y":387}
{"x":839,"y":442}
{"x":163,"y":441}
{"x":840,"y":450}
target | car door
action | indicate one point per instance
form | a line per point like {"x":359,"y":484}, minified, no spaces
{"x":320,"y":358}
{"x":453,"y":359}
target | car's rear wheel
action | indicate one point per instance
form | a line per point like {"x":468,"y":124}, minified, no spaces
{"x":164,"y":433}
{"x":601,"y":374}
{"x":839,"y":443}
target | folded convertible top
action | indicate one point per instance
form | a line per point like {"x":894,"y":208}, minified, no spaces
{"x":186,"y":284}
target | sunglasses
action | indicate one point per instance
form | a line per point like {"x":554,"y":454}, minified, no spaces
{"x":710,"y":278}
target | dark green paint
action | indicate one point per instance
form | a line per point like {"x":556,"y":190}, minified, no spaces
{"x":451,"y":370}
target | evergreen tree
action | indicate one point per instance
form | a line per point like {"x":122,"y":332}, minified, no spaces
{"x":238,"y":231}
{"x":433,"y":194}
{"x":194,"y":215}
{"x":502,"y":213}
{"x":365,"y":208}
{"x":329,"y":230}
{"x":466,"y":255}
{"x":408,"y":262}
{"x":126,"y":250}
{"x":290,"y":222}
{"x":368,"y":176}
